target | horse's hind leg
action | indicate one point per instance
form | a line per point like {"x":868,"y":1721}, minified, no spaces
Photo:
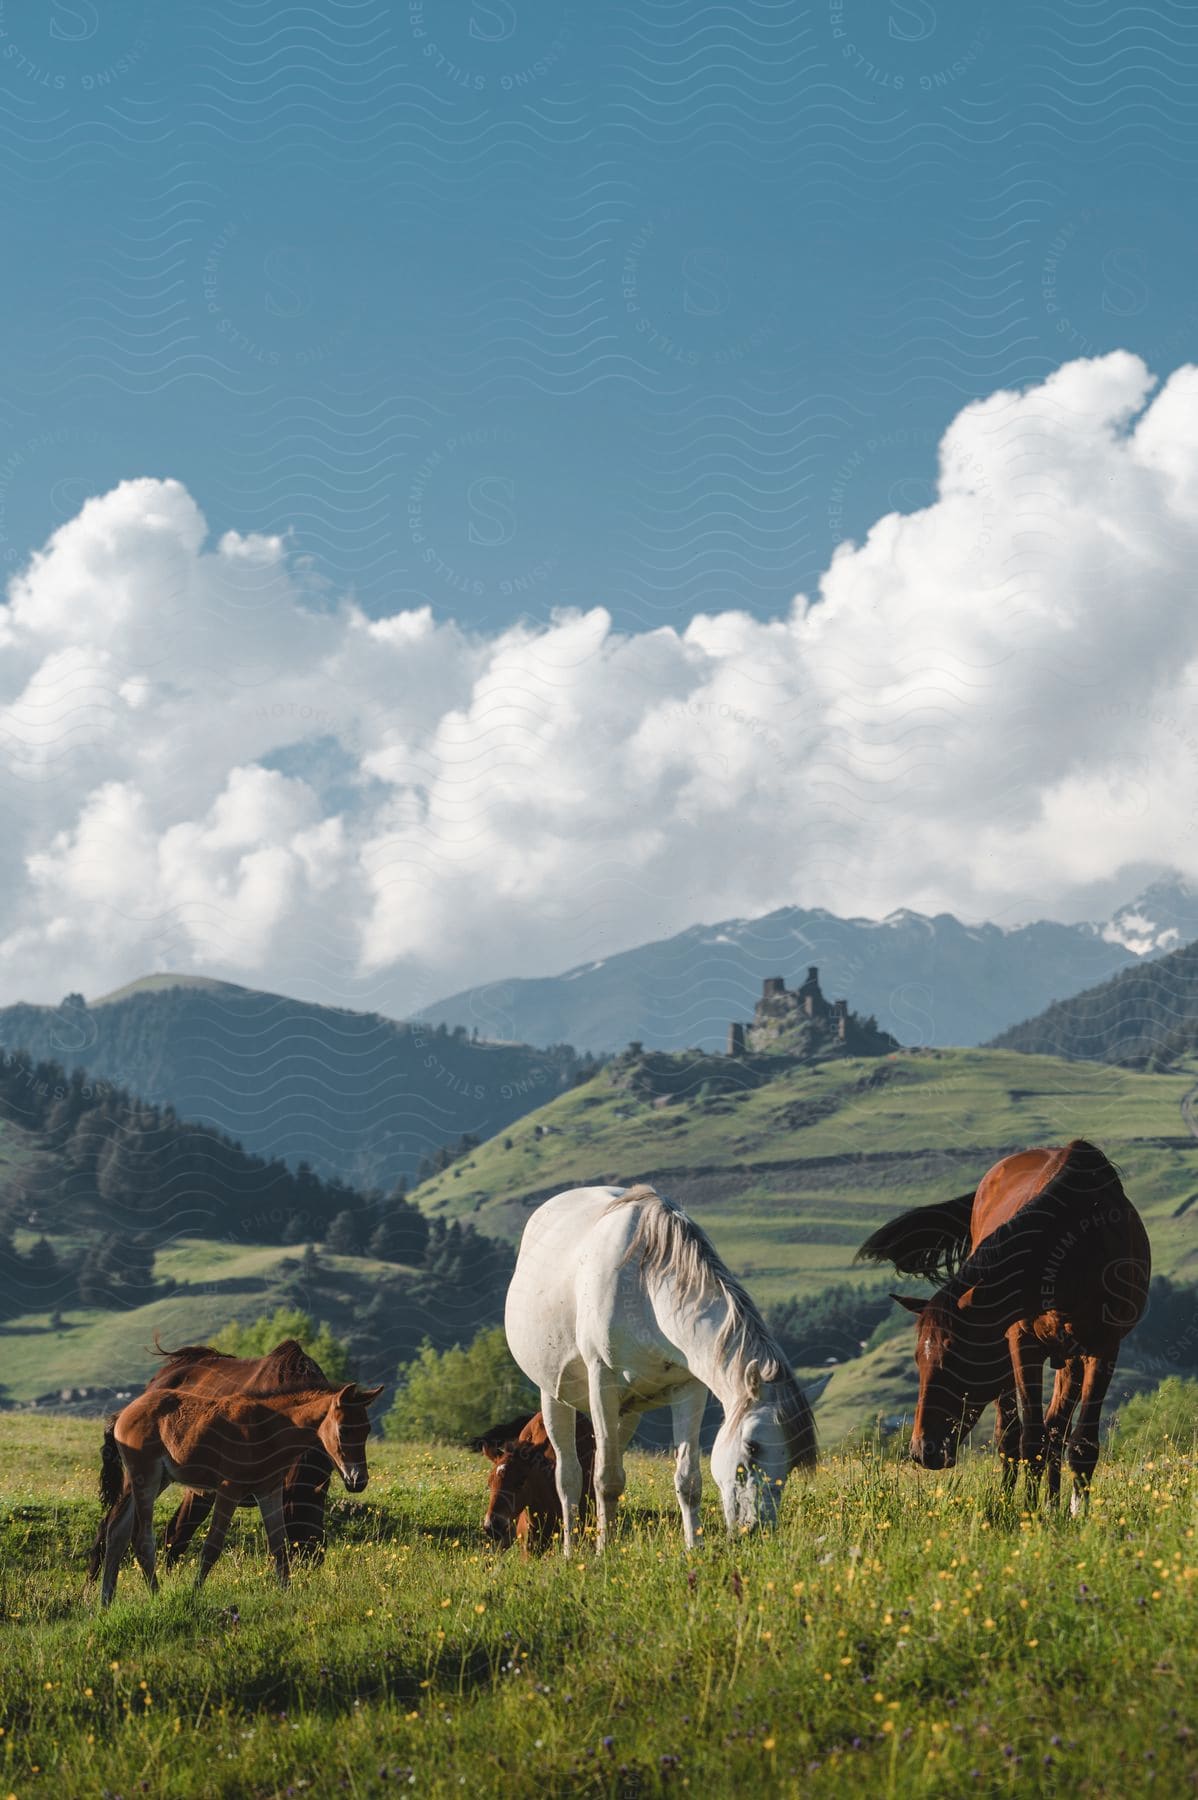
{"x":1083,"y":1445}
{"x":559,"y":1426}
{"x":144,"y":1545}
{"x":99,"y":1550}
{"x":119,"y":1530}
{"x":1065,"y":1391}
{"x":687,"y":1415}
{"x":193,"y":1509}
{"x":271,"y":1507}
{"x":144,"y":1495}
{"x":214,"y":1543}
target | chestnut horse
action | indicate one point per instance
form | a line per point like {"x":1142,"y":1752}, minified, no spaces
{"x":523,"y":1501}
{"x":1047,"y":1261}
{"x":233,"y":1447}
{"x":200,"y":1370}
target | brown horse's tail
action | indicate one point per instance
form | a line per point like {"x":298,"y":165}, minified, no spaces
{"x":112,"y":1486}
{"x":932,"y":1241}
{"x":112,"y":1469}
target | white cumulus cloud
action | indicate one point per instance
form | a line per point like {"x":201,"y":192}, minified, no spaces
{"x":987,"y":708}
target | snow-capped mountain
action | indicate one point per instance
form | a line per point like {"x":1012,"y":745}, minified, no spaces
{"x":928,"y":980}
{"x":1164,"y":917}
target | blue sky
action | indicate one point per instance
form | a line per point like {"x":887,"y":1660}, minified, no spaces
{"x":447,"y":355}
{"x":503,"y":306}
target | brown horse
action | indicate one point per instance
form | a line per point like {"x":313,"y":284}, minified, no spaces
{"x":200,"y":1370}
{"x":496,"y":1436}
{"x":232,"y":1447}
{"x":1047,"y":1261}
{"x":523,"y":1503}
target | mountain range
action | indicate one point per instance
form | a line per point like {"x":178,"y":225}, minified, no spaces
{"x":927,"y":980}
{"x":369,"y":1099}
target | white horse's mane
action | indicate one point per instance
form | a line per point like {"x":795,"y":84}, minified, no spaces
{"x":668,"y":1243}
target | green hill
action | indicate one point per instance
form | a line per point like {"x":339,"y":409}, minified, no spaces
{"x":215,"y":1282}
{"x":352,"y":1094}
{"x":791,"y":1175}
{"x":109,"y":1209}
{"x":1144,"y":1015}
{"x":383,"y":1311}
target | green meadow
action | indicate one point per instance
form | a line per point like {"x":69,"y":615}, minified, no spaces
{"x":791,"y":1176}
{"x":900,"y":1634}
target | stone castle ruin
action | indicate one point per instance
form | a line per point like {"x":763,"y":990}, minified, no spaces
{"x":802,"y":1019}
{"x":789,"y":1028}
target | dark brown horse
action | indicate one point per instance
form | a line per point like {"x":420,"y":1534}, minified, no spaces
{"x":1047,"y":1262}
{"x":496,"y":1436}
{"x":523,"y":1503}
{"x":236,"y":1448}
{"x":200,"y":1370}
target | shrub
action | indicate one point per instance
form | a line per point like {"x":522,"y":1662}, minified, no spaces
{"x":895,"y":1323}
{"x":260,"y":1335}
{"x":456,"y":1394}
{"x":1163,"y":1419}
{"x":833,"y":1323}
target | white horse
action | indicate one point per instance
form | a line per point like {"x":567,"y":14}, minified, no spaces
{"x":618,"y":1304}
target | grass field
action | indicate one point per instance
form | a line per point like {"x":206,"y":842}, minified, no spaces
{"x":900,"y":1634}
{"x":791,"y":1177}
{"x":217,"y":1283}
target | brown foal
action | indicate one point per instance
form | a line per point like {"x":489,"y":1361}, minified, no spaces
{"x":207,"y":1373}
{"x":232,"y":1447}
{"x":522,"y":1500}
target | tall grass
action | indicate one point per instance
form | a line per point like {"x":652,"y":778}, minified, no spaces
{"x":900,"y":1634}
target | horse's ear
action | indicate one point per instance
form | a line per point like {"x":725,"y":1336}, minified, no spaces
{"x":491,"y":1450}
{"x":910,"y":1301}
{"x":368,"y":1396}
{"x":968,"y":1298}
{"x":753,"y":1380}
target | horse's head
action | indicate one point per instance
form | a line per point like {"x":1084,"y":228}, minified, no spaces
{"x":521,"y":1475}
{"x":344,"y":1431}
{"x":962,"y":1357}
{"x":758,"y":1445}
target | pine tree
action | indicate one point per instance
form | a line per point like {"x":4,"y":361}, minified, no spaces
{"x":342,"y":1235}
{"x":41,"y":1265}
{"x":401,"y":1235}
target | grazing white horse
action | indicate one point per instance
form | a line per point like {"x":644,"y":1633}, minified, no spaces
{"x":618,"y":1304}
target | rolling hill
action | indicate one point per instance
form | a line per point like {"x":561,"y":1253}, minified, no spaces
{"x":789,"y":1154}
{"x":926,"y":980}
{"x":82,"y":1347}
{"x":788,"y":1170}
{"x":790,"y":1175}
{"x":352,"y":1094}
